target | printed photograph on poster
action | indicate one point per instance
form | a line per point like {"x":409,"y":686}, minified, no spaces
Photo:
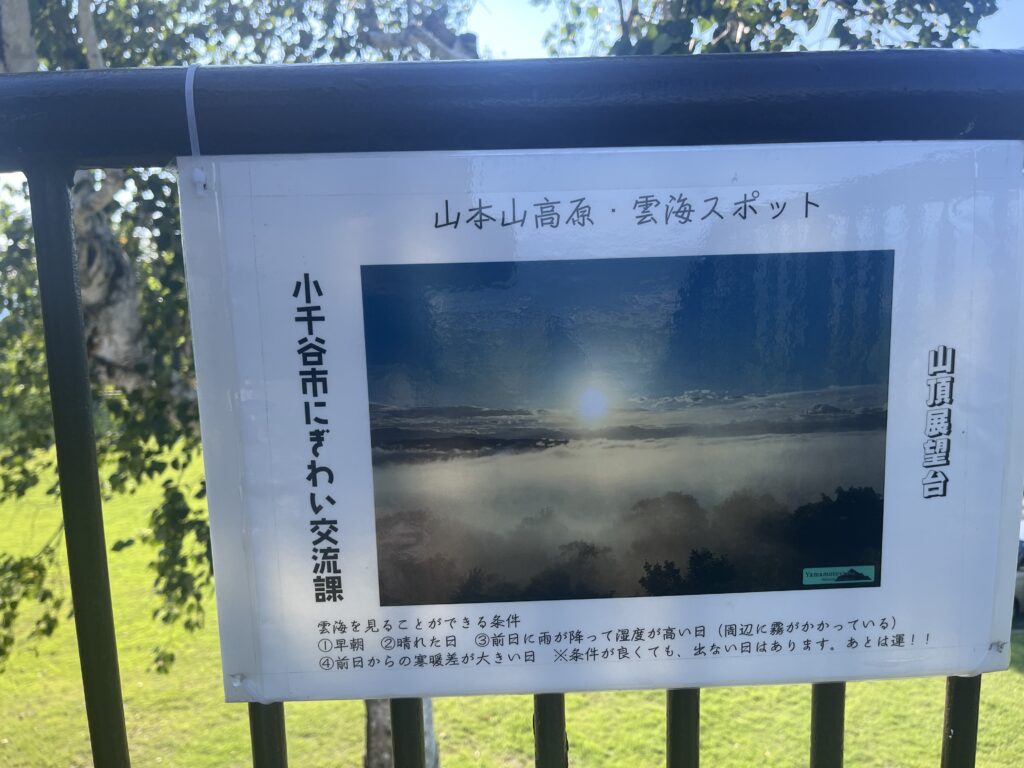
{"x":628,"y":427}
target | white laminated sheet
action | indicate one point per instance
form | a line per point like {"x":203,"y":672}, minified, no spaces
{"x":561,"y":420}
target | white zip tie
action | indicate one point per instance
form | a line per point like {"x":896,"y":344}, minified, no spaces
{"x":198,"y":172}
{"x":190,"y":108}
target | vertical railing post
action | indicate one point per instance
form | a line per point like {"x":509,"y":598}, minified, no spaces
{"x":550,"y":744}
{"x":71,"y":402}
{"x":682,"y":728}
{"x":407,"y":733}
{"x":266,"y":732}
{"x":960,"y":729}
{"x":828,"y":711}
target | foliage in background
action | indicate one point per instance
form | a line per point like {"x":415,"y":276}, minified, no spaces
{"x":736,"y":26}
{"x":130,"y":261}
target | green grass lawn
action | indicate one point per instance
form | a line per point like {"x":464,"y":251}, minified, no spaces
{"x":180,"y":720}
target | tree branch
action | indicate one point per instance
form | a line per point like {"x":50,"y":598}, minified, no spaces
{"x":432,"y":33}
{"x":728,"y":27}
{"x":622,"y":19}
{"x":87,"y":30}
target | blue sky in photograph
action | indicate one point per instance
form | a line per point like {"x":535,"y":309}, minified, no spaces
{"x":542,"y":334}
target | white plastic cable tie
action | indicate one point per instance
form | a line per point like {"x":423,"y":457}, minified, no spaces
{"x":190,"y":108}
{"x":198,"y":173}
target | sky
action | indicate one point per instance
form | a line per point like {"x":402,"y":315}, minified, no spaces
{"x":544,"y":334}
{"x":1004,"y":28}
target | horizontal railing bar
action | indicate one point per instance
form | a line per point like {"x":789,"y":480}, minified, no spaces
{"x":477,"y":105}
{"x":683,"y":728}
{"x":550,"y":743}
{"x":828,"y":713}
{"x":960,"y":728}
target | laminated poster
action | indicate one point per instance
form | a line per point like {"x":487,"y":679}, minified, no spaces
{"x":538,"y":421}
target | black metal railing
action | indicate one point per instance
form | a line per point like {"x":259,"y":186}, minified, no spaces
{"x":54,"y":123}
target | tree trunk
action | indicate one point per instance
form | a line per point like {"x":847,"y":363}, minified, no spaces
{"x":378,"y":735}
{"x":379,"y":753}
{"x":110,"y":293}
{"x":19,"y":45}
{"x":114,"y":335}
{"x":430,"y":735}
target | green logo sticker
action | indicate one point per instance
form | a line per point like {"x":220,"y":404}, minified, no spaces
{"x":848,"y":574}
